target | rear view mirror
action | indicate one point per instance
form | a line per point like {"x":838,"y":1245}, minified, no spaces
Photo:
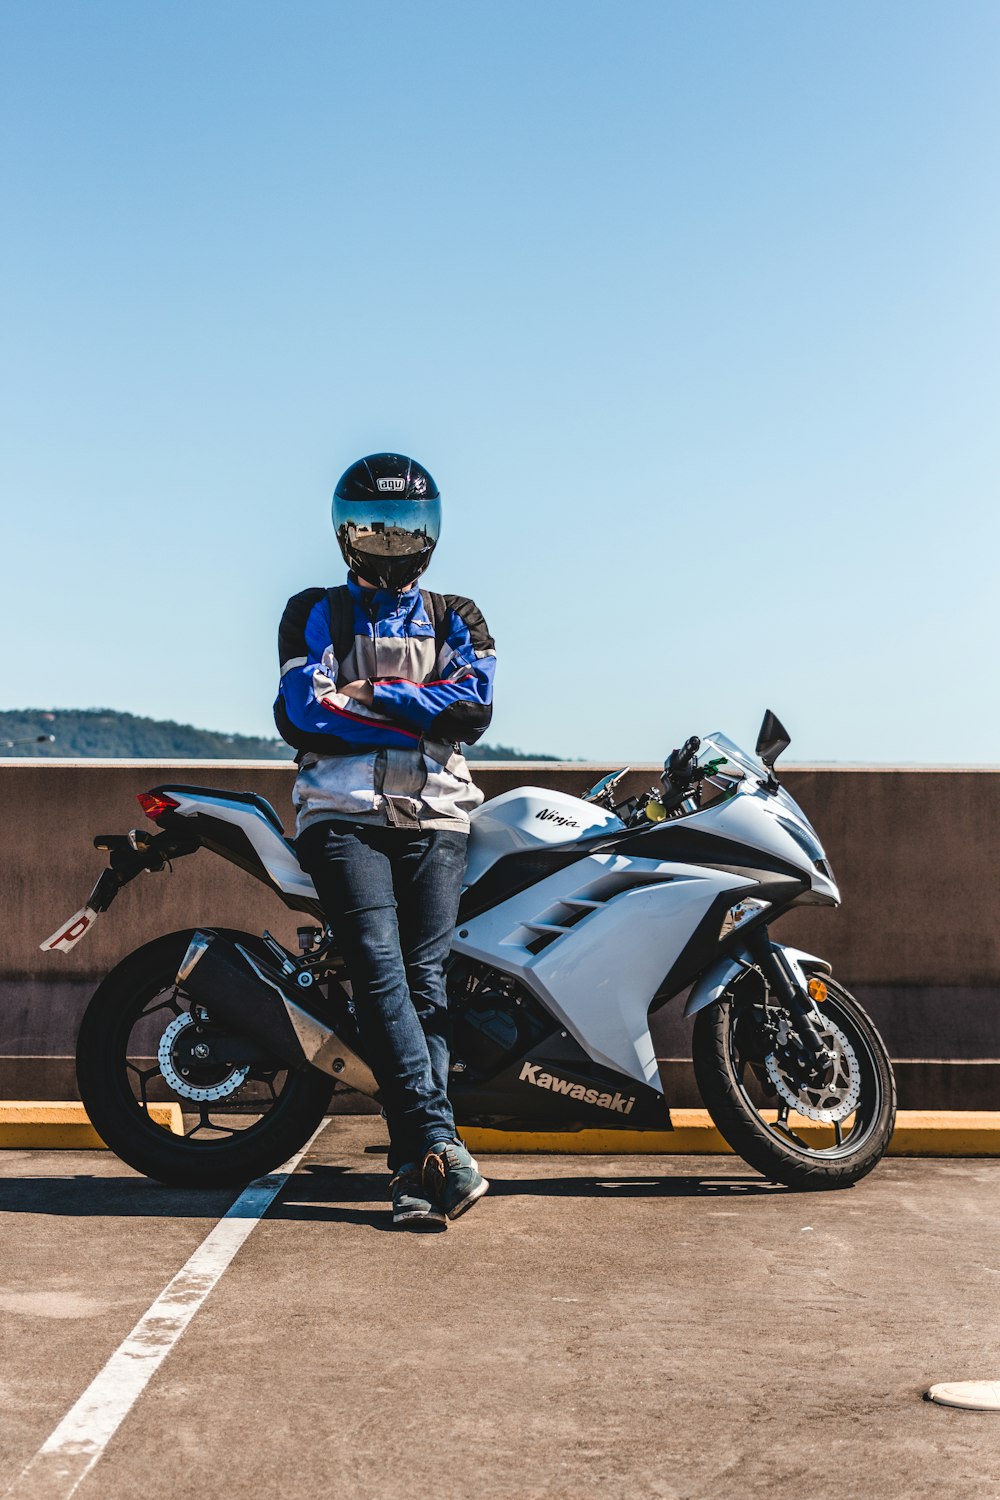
{"x":601,"y":791}
{"x":773,"y":739}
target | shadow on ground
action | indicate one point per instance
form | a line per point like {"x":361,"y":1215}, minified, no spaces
{"x":331,"y":1192}
{"x":83,"y":1196}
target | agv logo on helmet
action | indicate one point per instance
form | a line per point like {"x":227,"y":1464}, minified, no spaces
{"x":392,"y":486}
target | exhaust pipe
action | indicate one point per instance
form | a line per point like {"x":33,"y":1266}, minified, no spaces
{"x":237,"y":988}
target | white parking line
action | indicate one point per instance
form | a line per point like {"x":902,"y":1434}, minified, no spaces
{"x":71,"y":1451}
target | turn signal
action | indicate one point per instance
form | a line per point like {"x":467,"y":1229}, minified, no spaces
{"x":817,"y":990}
{"x":153,"y":806}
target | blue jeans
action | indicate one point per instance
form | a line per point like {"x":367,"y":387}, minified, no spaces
{"x":390,"y":896}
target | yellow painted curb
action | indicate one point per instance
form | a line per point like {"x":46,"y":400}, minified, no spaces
{"x":956,"y":1132}
{"x":39,"y":1125}
{"x":917,"y":1133}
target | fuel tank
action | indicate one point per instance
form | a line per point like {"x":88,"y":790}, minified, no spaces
{"x":527,"y":817}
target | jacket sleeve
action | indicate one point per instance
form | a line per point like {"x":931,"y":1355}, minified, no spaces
{"x":458,"y":703}
{"x":309,"y":712}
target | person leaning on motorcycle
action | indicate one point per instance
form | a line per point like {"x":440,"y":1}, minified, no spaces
{"x":379,"y":683}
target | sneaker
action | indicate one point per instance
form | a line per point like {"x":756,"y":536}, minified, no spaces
{"x":411,"y":1207}
{"x":451,"y":1178}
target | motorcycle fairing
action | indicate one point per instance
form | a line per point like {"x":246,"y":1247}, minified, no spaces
{"x":629,"y":919}
{"x":513,"y":872}
{"x":247,"y":835}
{"x":554,"y":1085}
{"x":531,"y":818}
{"x":748,"y":829}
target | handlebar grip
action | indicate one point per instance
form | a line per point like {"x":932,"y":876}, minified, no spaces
{"x":679,"y":761}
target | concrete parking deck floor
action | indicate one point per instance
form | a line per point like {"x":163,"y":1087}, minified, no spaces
{"x":597,"y":1326}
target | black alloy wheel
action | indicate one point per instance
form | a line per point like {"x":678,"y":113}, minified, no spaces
{"x":803,"y":1126}
{"x":139,"y":1047}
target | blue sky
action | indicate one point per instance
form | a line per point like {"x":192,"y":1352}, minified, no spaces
{"x":692,"y":310}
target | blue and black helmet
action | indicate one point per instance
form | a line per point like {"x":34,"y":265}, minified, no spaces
{"x":387,"y":517}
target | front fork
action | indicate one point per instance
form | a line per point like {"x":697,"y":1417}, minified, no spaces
{"x":785,"y":987}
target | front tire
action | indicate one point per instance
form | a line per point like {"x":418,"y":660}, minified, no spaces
{"x":124,"y":1022}
{"x":730,"y":1064}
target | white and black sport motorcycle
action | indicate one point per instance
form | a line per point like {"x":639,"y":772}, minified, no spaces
{"x":579,"y":917}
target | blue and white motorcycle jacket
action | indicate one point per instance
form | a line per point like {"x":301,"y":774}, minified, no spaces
{"x":431,"y":661}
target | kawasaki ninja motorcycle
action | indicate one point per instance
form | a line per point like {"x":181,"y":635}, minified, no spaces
{"x":578,"y":918}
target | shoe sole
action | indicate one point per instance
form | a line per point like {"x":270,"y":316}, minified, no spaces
{"x":467,"y":1202}
{"x":422,"y":1223}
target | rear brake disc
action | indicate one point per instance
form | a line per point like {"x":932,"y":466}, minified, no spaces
{"x":201,"y":1093}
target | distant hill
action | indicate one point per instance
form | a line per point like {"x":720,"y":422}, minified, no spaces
{"x":107,"y":734}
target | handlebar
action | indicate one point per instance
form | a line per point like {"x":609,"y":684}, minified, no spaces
{"x":677,"y":769}
{"x":677,"y":774}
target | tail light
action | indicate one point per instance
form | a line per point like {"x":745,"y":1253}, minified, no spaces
{"x":154,"y":804}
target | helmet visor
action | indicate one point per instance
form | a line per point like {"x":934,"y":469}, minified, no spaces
{"x":387,"y":528}
{"x":387,"y":541}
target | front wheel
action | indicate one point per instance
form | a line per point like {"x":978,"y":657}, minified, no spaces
{"x":139,"y":1045}
{"x":796,"y":1124}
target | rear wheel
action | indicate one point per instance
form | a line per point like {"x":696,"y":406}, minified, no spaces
{"x":797,"y":1124}
{"x":139,"y":1047}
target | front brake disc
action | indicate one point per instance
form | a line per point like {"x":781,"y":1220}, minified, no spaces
{"x":835,"y":1096}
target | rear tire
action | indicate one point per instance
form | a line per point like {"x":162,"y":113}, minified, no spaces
{"x":721,"y":1077}
{"x":125,"y":1126}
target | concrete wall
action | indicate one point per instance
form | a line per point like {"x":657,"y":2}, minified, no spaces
{"x":917,"y":854}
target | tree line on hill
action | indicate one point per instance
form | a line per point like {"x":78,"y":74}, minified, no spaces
{"x":107,"y":734}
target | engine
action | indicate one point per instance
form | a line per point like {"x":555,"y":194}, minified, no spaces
{"x":494,"y":1019}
